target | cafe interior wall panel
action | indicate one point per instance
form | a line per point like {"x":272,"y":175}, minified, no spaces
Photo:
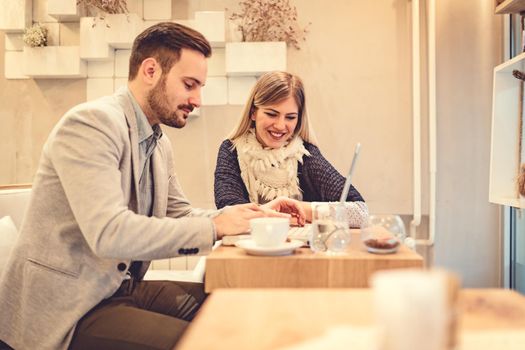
{"x":98,"y":87}
{"x":12,"y":65}
{"x":467,"y":227}
{"x":122,"y":63}
{"x":14,"y":42}
{"x":15,"y":15}
{"x":63,"y":10}
{"x":355,"y":64}
{"x":157,"y":9}
{"x":121,"y":29}
{"x":239,"y":89}
{"x":216,"y":63}
{"x":192,"y":159}
{"x":93,"y":45}
{"x":53,"y":33}
{"x":101,"y":69}
{"x":70,"y":33}
{"x":41,"y":10}
{"x":212,"y":25}
{"x":215,"y":92}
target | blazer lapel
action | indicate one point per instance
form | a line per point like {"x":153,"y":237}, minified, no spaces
{"x":127,"y":107}
{"x":160,"y":179}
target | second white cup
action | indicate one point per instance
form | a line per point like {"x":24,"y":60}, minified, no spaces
{"x":269,"y":232}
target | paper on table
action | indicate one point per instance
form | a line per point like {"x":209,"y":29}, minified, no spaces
{"x":342,"y":337}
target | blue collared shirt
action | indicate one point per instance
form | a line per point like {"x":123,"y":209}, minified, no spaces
{"x":148,"y":137}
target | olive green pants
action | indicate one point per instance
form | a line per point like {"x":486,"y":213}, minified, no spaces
{"x":140,"y":315}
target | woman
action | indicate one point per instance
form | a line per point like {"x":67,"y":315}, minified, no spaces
{"x":272,"y":153}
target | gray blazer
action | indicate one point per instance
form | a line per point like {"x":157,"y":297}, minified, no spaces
{"x":82,"y":230}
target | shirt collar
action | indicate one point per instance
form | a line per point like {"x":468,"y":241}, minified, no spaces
{"x":144,"y":129}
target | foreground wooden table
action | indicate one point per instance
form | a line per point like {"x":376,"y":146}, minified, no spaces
{"x":231,"y":267}
{"x":257,"y":319}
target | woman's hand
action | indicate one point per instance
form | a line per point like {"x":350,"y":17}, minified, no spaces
{"x":287,"y":206}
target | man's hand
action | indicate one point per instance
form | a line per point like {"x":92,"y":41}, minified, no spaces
{"x":235,"y":220}
{"x":289,"y":206}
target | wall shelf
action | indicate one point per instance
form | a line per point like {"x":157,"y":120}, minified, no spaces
{"x":15,"y":15}
{"x":63,"y":10}
{"x":505,"y":157}
{"x":510,"y":6}
{"x":53,"y":62}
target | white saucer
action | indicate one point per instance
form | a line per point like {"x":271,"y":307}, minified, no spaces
{"x":286,"y":248}
{"x":382,"y":251}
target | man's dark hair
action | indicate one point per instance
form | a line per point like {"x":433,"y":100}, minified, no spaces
{"x":164,"y":41}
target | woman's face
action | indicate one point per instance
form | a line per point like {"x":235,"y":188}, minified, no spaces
{"x":275,"y":124}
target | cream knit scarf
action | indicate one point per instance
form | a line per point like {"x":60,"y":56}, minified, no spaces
{"x":269,"y":173}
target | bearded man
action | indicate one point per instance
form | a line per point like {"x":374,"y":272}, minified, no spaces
{"x":106,"y":201}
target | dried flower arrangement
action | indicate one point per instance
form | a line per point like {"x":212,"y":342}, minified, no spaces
{"x":269,"y":20}
{"x":35,"y":36}
{"x":99,"y":8}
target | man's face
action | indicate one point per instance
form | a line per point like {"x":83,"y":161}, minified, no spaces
{"x":178,"y":91}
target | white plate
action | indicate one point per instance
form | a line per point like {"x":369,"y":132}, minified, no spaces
{"x":382,"y":251}
{"x":286,"y":248}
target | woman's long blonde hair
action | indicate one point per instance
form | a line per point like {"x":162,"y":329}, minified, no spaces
{"x":272,"y":88}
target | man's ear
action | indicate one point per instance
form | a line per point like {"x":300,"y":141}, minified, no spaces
{"x":150,"y":71}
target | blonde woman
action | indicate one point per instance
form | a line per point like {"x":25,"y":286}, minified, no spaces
{"x":272,"y":153}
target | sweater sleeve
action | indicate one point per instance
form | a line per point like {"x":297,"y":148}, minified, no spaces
{"x":321,"y":182}
{"x":229,"y":188}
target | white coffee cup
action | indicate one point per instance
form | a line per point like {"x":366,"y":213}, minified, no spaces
{"x":269,"y":232}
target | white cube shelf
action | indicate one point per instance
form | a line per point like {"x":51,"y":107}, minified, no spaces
{"x":93,"y":45}
{"x":53,"y":33}
{"x":101,"y":69}
{"x":217,"y":63}
{"x":40,"y":13}
{"x":215,"y":92}
{"x":15,"y":15}
{"x":239,"y":89}
{"x":117,"y":31}
{"x":122,"y":29}
{"x":157,"y":10}
{"x":14,"y":42}
{"x":211,"y":25}
{"x":63,"y":10}
{"x":12,"y":67}
{"x":53,"y":62}
{"x":122,"y":63}
{"x":255,"y":58}
{"x":504,"y":157}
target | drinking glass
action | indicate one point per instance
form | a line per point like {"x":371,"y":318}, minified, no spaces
{"x":330,"y":228}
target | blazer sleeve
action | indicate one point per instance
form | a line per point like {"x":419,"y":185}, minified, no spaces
{"x":229,"y":188}
{"x":86,"y":151}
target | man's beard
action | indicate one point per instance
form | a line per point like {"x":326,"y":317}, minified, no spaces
{"x":158,"y":104}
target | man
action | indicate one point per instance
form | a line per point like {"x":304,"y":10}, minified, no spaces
{"x":105,"y":201}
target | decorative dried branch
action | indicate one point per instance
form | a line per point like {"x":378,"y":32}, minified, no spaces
{"x":269,"y":20}
{"x":99,"y":8}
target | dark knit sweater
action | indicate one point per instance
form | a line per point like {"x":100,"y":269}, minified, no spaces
{"x":318,"y":179}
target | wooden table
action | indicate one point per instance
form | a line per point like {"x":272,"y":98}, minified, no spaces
{"x":260,"y":319}
{"x":231,"y":267}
